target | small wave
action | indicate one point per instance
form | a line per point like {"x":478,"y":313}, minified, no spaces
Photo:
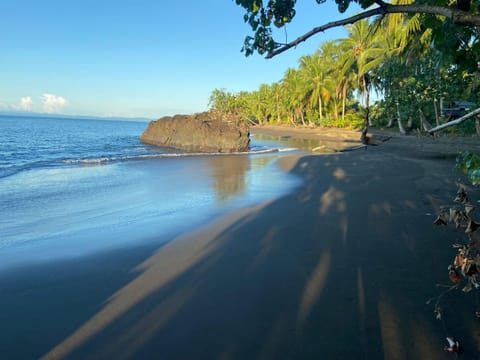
{"x":287,"y":149}
{"x":263,"y":151}
{"x":138,"y":148}
{"x":8,"y":172}
{"x":105,"y":160}
{"x":88,"y":161}
{"x":15,"y":169}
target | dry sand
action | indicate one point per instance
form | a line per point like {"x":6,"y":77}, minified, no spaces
{"x":339,"y":269}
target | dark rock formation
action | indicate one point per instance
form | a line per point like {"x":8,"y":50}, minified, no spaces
{"x":204,"y":132}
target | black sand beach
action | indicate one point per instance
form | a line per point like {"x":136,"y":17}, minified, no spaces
{"x":341,"y":268}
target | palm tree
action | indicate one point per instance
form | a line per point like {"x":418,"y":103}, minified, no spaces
{"x":407,"y":46}
{"x":317,"y":82}
{"x":294,"y":95}
{"x":331,"y":53}
{"x":403,"y":32}
{"x":362,"y":53}
{"x":276,"y":93}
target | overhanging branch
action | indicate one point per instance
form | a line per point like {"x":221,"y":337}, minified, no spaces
{"x":350,"y":20}
{"x":457,"y":16}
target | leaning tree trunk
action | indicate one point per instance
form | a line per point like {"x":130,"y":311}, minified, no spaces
{"x":425,"y":124}
{"x":460,"y":120}
{"x":477,"y":125}
{"x":292,"y":119}
{"x":300,"y":114}
{"x":390,"y":122}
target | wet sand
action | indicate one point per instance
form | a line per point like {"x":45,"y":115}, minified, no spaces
{"x":341,"y":268}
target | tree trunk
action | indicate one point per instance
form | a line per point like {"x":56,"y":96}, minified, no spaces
{"x":441,"y":111}
{"x":278,"y":110}
{"x":399,"y":120}
{"x":335,"y":108}
{"x":335,"y":101}
{"x":300,"y":112}
{"x":367,"y":99}
{"x":366,"y":123}
{"x":259,"y":119}
{"x":425,"y":124}
{"x":477,"y":125}
{"x":437,"y":116}
{"x":390,"y":122}
{"x":320,"y":108}
{"x":344,"y":96}
{"x":410,"y":123}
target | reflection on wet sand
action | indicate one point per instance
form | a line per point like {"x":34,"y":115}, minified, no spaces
{"x":288,"y":141}
{"x":232,"y":175}
{"x":229,"y":175}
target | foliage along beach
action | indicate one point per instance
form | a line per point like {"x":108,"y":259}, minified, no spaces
{"x":415,"y":65}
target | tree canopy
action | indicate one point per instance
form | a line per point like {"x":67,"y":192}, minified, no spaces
{"x":262,"y":16}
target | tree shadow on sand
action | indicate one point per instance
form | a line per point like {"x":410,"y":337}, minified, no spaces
{"x":341,"y":268}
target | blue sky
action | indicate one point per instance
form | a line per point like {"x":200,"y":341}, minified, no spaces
{"x":136,"y":58}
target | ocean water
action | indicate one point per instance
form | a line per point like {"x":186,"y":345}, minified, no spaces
{"x":74,"y":187}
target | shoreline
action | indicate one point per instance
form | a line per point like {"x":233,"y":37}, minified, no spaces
{"x":122,"y":205}
{"x":340,"y":267}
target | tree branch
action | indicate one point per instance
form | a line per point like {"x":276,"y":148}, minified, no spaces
{"x":456,"y":15}
{"x":455,"y":122}
{"x":316,"y":30}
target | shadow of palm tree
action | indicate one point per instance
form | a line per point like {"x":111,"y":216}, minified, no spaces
{"x":341,"y":268}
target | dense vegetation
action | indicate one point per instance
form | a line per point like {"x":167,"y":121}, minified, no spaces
{"x":412,"y":64}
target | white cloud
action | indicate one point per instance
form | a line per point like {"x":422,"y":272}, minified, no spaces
{"x":53,"y":103}
{"x":25,"y":103}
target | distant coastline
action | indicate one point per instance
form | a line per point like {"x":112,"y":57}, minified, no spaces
{"x":28,"y":114}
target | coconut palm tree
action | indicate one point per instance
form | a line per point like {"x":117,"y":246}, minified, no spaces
{"x":318,"y":84}
{"x":276,"y":93}
{"x":362,"y":53}
{"x":331,"y":53}
{"x":294,"y":95}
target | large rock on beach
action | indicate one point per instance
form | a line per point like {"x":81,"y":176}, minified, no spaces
{"x":203,"y":132}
